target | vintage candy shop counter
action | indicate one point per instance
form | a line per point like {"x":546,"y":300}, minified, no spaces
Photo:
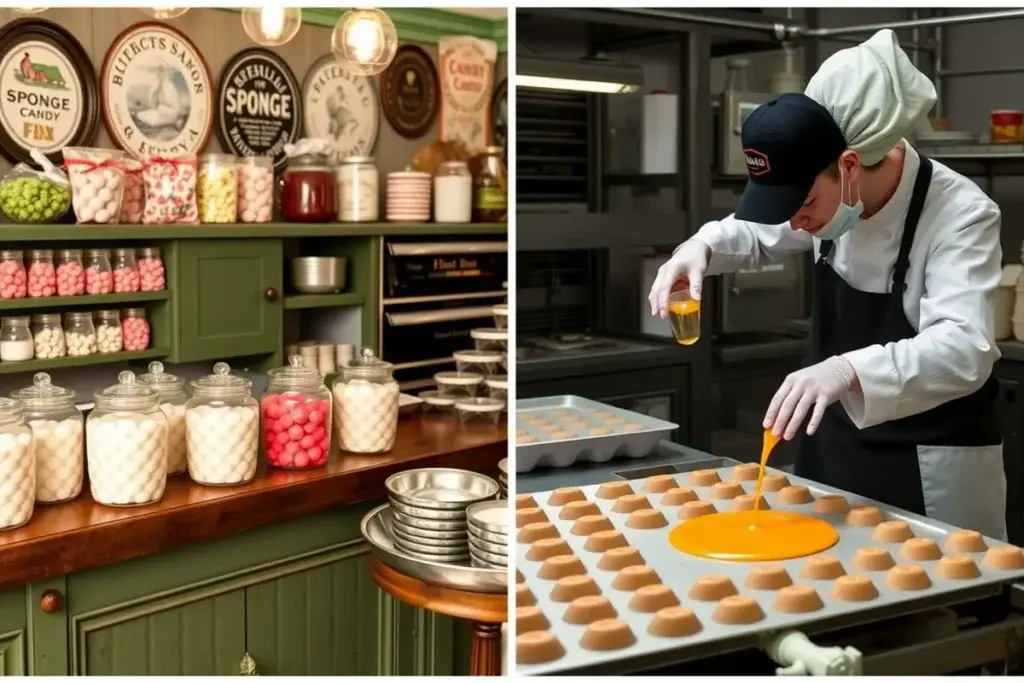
{"x":45,"y":233}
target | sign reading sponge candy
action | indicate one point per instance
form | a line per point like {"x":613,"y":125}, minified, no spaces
{"x":48,"y":94}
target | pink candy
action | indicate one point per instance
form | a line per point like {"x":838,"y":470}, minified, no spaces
{"x":133,"y":199}
{"x":126,"y":279}
{"x":151,"y":273}
{"x":70,"y":279}
{"x":296,"y":430}
{"x":13,"y":280}
{"x":98,"y":281}
{"x":170,"y":185}
{"x":135,"y":333}
{"x":42,"y":279}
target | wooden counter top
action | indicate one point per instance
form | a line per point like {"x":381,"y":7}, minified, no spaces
{"x":81,"y":534}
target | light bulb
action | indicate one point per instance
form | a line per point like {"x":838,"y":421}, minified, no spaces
{"x":272,"y":22}
{"x":364,"y":41}
{"x":273,"y":25}
{"x":165,"y":13}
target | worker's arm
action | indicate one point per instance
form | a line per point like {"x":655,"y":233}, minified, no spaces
{"x":737,"y":245}
{"x":954,"y":351}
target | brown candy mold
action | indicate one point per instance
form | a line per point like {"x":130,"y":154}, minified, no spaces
{"x":647,"y":519}
{"x":588,"y":609}
{"x":746,"y":502}
{"x":601,"y":541}
{"x":614,"y":489}
{"x":659,"y":483}
{"x":965,"y":541}
{"x":536,"y":531}
{"x":872,"y":560}
{"x":703,"y":478}
{"x":674,"y":622}
{"x":738,"y":609}
{"x":634,"y":577}
{"x":864,"y":515}
{"x":631,"y":503}
{"x":831,"y":504}
{"x":892,"y":532}
{"x":920,"y":550}
{"x":548,"y":547}
{"x":652,"y":598}
{"x":572,"y":587}
{"x":795,"y":494}
{"x":678,"y":496}
{"x":747,"y":471}
{"x":619,"y":558}
{"x":797,"y":600}
{"x":579,"y":508}
{"x":727,"y":490}
{"x":563,"y":496}
{"x":538,"y":647}
{"x":530,"y":619}
{"x":607,"y":634}
{"x":696,"y":508}
{"x":712,"y":587}
{"x":526,"y":516}
{"x":768,"y":577}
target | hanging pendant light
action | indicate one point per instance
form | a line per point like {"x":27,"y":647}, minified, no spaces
{"x":29,"y":10}
{"x":271,"y":26}
{"x":164,"y":13}
{"x":364,"y":41}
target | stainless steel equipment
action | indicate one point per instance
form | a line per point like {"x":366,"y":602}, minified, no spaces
{"x":736,"y":103}
{"x":764,"y":299}
{"x":318,"y":274}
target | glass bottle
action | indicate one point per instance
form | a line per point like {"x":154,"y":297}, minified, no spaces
{"x":490,"y":186}
{"x":366,"y":405}
{"x":70,"y":273}
{"x":308,"y":190}
{"x":109,"y":338}
{"x":59,"y":430}
{"x":16,"y":339}
{"x":79,"y":333}
{"x":13,"y":279}
{"x":296,"y":417}
{"x":222,"y":429}
{"x":48,"y":336}
{"x":126,"y":439}
{"x":41,"y":274}
{"x":173,"y":395}
{"x":99,"y":278}
{"x":126,"y":271}
{"x":17,"y":466}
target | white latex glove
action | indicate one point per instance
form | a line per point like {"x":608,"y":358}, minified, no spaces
{"x":688,"y":265}
{"x":817,"y":387}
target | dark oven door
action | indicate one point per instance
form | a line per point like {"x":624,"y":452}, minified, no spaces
{"x":425,"y":269}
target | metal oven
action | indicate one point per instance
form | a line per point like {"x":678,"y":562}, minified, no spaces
{"x":434,"y":292}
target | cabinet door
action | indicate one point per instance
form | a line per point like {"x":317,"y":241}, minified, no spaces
{"x":228,"y":299}
{"x":13,"y":633}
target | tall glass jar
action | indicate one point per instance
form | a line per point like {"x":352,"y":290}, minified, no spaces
{"x":173,"y":395}
{"x":13,"y":279}
{"x":217,"y":188}
{"x":453,"y":193}
{"x":358,"y":190}
{"x":135,"y":329}
{"x":126,"y":271}
{"x":59,"y":430}
{"x":17,"y":466}
{"x":296,"y":417}
{"x":255,"y":189}
{"x":126,"y":442}
{"x":109,"y":338}
{"x":16,"y":339}
{"x":70,"y":273}
{"x":308,"y":190}
{"x":222,"y":425}
{"x":151,"y":270}
{"x":79,"y":333}
{"x":48,"y":336}
{"x":99,"y":278}
{"x":41,"y":273}
{"x":490,"y":186}
{"x":366,"y":405}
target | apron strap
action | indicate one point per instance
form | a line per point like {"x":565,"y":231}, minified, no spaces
{"x":921,"y":184}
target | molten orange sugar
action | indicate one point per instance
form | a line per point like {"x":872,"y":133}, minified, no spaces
{"x":753,"y":536}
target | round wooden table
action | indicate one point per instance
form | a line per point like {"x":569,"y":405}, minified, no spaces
{"x":487,"y":611}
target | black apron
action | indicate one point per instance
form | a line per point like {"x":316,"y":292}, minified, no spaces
{"x":845,"y":319}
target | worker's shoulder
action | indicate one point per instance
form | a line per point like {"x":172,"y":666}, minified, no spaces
{"x":955,"y":202}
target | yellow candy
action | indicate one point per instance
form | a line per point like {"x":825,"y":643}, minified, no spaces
{"x":217,"y":192}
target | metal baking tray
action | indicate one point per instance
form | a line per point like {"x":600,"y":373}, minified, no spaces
{"x":376,"y":528}
{"x":565,"y":452}
{"x":678,"y":571}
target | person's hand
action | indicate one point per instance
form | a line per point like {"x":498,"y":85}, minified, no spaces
{"x":687,"y":265}
{"x":816,"y":387}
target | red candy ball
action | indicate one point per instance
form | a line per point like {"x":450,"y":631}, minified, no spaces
{"x":296,"y":430}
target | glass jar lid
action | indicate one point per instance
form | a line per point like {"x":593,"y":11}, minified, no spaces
{"x":43,"y":394}
{"x":148,"y":252}
{"x":46,"y":318}
{"x":78,"y":316}
{"x":453,"y":167}
{"x":11,"y":410}
{"x":222,"y":382}
{"x":15,"y":320}
{"x":124,"y":253}
{"x":295,"y":375}
{"x":97,"y":253}
{"x":11,"y":255}
{"x":489,"y":334}
{"x":367,"y":365}
{"x":357,"y":160}
{"x":40,"y":254}
{"x":163,"y":382}
{"x":311,"y":161}
{"x":127,"y":394}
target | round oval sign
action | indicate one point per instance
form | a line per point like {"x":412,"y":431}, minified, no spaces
{"x":157,"y":92}
{"x":48,"y":94}
{"x":259,"y":105}
{"x":410,"y":92}
{"x":341,"y":107}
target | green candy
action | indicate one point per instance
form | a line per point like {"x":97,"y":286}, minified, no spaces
{"x":31,"y":199}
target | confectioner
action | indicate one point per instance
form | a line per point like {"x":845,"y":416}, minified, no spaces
{"x":241,"y":253}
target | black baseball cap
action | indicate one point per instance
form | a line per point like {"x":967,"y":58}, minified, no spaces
{"x":787,"y":143}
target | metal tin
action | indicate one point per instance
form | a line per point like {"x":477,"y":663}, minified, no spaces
{"x":421,"y":524}
{"x":427,"y":513}
{"x":440,"y":488}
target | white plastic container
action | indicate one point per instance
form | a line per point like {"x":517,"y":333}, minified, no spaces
{"x":59,"y":430}
{"x":17,"y":466}
{"x":222,"y":426}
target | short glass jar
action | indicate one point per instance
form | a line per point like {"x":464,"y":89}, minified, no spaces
{"x":17,"y":466}
{"x":490,"y":186}
{"x":59,"y":430}
{"x":99,"y":277}
{"x":109,"y":338}
{"x":48,"y":336}
{"x":13,"y":279}
{"x":16,"y":339}
{"x":173,"y":395}
{"x":151,"y":270}
{"x":296,"y":417}
{"x":79,"y":333}
{"x":453,"y":193}
{"x":135,"y":329}
{"x":41,"y":274}
{"x":70,"y":273}
{"x":126,"y":272}
{"x":217,"y":188}
{"x":255,"y":189}
{"x":358,"y":190}
{"x":222,"y":426}
{"x":308,"y":190}
{"x":366,"y":405}
{"x":126,"y":439}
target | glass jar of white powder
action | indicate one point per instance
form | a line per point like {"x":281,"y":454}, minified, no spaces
{"x":17,"y":466}
{"x":173,"y":397}
{"x":126,"y":444}
{"x":59,"y":430}
{"x":366,"y":405}
{"x":222,"y":425}
{"x":16,"y":339}
{"x":358,"y":190}
{"x":453,"y":193}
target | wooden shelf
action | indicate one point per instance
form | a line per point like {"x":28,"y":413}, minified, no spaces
{"x":82,"y":301}
{"x":298,"y":301}
{"x":37,"y":364}
{"x":16,"y":232}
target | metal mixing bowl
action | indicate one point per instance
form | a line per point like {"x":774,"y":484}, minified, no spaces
{"x":318,"y":274}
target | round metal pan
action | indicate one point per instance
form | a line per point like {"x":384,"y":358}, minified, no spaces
{"x":477,"y":514}
{"x":480,"y":564}
{"x":418,"y":523}
{"x":440,"y":488}
{"x":453,"y":553}
{"x":490,"y":558}
{"x":414,"y":533}
{"x":443,"y":545}
{"x":487,"y":536}
{"x":426,"y":513}
{"x":497,"y":549}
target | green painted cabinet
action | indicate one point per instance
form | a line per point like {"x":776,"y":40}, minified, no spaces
{"x":14,"y":640}
{"x":228,"y":298}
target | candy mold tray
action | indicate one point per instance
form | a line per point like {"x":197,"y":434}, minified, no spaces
{"x":581,"y":429}
{"x":679,"y":572}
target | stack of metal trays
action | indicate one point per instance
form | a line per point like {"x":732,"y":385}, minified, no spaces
{"x":428,"y":508}
{"x":488,"y":534}
{"x":503,"y":478}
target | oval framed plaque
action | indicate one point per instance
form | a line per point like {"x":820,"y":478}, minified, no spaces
{"x":341,"y":107}
{"x":410,"y":92}
{"x":499,"y":113}
{"x":157,"y":92}
{"x":48,"y":94}
{"x":259,"y":105}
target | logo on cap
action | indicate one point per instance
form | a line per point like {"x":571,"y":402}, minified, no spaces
{"x":757,"y":162}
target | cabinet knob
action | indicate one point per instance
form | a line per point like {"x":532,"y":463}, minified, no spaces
{"x":51,"y":601}
{"x":247,"y":667}
{"x":270,"y":294}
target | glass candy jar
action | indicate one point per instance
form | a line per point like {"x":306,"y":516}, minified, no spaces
{"x":126,"y":271}
{"x":126,"y":442}
{"x":17,"y":466}
{"x":296,"y":417}
{"x":173,"y":395}
{"x":366,"y":405}
{"x":59,"y":430}
{"x":79,"y":333}
{"x":41,"y":273}
{"x":99,"y":277}
{"x":222,"y":429}
{"x":48,"y":336}
{"x":109,"y":338}
{"x":16,"y":339}
{"x":13,"y":278}
{"x":308,"y":190}
{"x":70,"y":273}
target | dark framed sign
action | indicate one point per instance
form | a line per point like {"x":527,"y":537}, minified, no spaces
{"x":410,"y":92}
{"x":499,"y":113}
{"x":48,"y":94}
{"x":157,"y":92}
{"x":259,"y":105}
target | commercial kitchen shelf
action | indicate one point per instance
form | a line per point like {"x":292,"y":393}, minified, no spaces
{"x":301,"y":301}
{"x":97,"y":300}
{"x":37,"y":364}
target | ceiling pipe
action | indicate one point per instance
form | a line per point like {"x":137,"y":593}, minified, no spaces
{"x":977,"y":18}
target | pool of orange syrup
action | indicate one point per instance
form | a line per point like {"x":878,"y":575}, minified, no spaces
{"x":754,"y":535}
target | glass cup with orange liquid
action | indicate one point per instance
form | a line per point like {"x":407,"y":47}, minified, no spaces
{"x":684,"y":316}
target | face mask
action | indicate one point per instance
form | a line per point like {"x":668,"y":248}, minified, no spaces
{"x":846,"y":215}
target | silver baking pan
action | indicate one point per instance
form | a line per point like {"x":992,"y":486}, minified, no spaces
{"x":574,"y":440}
{"x":498,"y":549}
{"x":427,"y":514}
{"x":440,"y":488}
{"x":490,"y":558}
{"x":439,"y":538}
{"x":476,"y":515}
{"x":376,"y":528}
{"x":489,"y":536}
{"x":431,"y":525}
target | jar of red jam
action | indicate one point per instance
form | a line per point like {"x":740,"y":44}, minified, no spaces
{"x":296,"y":417}
{"x":308,"y":190}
